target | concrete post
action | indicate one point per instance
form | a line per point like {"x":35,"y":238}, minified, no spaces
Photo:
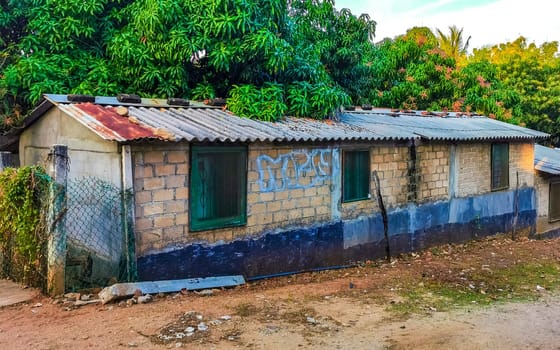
{"x":128,"y":214}
{"x":6,"y":160}
{"x":56,"y":258}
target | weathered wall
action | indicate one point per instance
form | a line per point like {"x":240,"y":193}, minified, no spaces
{"x":521,"y":161}
{"x":473,"y":169}
{"x":340,"y":243}
{"x":286,"y":187}
{"x":542,"y":186}
{"x":295,"y":218}
{"x":433,"y":161}
{"x":90,"y":155}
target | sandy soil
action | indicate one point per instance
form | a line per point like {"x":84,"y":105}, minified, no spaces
{"x":343,"y":309}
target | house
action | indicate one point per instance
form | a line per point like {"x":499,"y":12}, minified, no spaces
{"x":547,"y":184}
{"x":215,"y":194}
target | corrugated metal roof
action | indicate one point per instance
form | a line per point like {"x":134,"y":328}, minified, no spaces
{"x":156,"y":120}
{"x":449,"y":128}
{"x":547,"y":159}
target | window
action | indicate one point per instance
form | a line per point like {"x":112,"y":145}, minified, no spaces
{"x":554,"y":202}
{"x":500,"y":166}
{"x":218,"y":187}
{"x":355,"y":175}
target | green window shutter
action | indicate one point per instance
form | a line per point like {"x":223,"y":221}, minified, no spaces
{"x":500,"y":166}
{"x":218,"y":187}
{"x":355,"y":175}
{"x":554,"y":202}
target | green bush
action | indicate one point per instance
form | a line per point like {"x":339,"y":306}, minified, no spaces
{"x":23,"y":231}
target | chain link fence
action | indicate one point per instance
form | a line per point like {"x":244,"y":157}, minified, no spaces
{"x":95,"y":225}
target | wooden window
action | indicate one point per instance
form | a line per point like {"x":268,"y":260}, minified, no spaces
{"x":554,"y":202}
{"x":355,"y":175}
{"x":218,"y":187}
{"x":500,"y":166}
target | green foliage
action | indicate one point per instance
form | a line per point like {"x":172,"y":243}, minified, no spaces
{"x":23,"y":232}
{"x":177,"y":48}
{"x":533,"y":73}
{"x":316,"y":101}
{"x":266,"y":103}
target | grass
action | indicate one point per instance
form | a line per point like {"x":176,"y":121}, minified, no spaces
{"x":514,"y":283}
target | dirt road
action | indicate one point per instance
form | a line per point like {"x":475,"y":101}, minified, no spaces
{"x":343,"y":309}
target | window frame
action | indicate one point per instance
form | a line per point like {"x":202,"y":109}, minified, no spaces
{"x":550,"y":197}
{"x":367,"y":168}
{"x":239,"y":219}
{"x":494,"y":167}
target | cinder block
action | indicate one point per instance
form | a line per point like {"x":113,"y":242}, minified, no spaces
{"x":153,"y":183}
{"x":142,"y":224}
{"x":182,"y":169}
{"x":178,"y":206}
{"x":164,"y":221}
{"x":182,"y":193}
{"x":163,"y":195}
{"x":154,"y":157}
{"x":175,"y":181}
{"x":141,"y":197}
{"x":152,"y":208}
{"x":177,"y":156}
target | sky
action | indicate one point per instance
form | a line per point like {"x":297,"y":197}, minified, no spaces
{"x":488,"y":22}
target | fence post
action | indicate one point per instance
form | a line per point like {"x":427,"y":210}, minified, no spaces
{"x":56,"y":255}
{"x":6,"y":160}
{"x":128,"y":214}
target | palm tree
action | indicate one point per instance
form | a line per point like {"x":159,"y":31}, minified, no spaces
{"x":452,"y":44}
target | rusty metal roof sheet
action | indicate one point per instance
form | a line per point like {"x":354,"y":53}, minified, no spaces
{"x":199,"y":123}
{"x":547,"y":159}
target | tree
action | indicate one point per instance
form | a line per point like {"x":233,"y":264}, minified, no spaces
{"x":533,"y":72}
{"x":453,"y":44}
{"x":267,"y":49}
{"x":412,"y":72}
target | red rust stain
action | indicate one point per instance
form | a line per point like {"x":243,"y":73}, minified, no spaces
{"x":108,"y":117}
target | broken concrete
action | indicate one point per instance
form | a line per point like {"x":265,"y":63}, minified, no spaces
{"x":123,"y":290}
{"x":12,"y":293}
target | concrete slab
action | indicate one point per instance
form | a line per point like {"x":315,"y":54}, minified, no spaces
{"x":122,"y":290}
{"x":12,"y":293}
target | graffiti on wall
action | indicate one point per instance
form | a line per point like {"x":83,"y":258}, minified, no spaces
{"x":296,"y":169}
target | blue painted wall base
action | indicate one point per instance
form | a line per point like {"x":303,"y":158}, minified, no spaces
{"x":411,"y":228}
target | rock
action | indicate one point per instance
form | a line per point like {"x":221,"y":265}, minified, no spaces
{"x":189,"y":330}
{"x":311,"y":320}
{"x":85,"y":297}
{"x":202,"y":327}
{"x":132,"y":345}
{"x":226,"y":317}
{"x":72,"y":296}
{"x":37,"y":305}
{"x":143,"y":299}
{"x":86,"y":302}
{"x":205,"y":292}
{"x":540,"y":289}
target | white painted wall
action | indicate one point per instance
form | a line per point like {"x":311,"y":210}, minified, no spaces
{"x":90,"y":155}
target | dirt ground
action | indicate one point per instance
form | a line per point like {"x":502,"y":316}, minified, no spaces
{"x":340,"y":309}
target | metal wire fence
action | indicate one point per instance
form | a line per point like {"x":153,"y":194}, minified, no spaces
{"x":97,"y":246}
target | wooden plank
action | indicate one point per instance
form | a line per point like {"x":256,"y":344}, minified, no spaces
{"x":123,"y":290}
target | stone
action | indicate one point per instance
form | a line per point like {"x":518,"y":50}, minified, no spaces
{"x":143,"y":299}
{"x":202,"y":327}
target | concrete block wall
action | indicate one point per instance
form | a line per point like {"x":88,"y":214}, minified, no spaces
{"x":521,"y":160}
{"x":542,"y":186}
{"x":300,"y":185}
{"x":473,"y":169}
{"x":161,"y":196}
{"x":433,"y":171}
{"x":290,"y":186}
